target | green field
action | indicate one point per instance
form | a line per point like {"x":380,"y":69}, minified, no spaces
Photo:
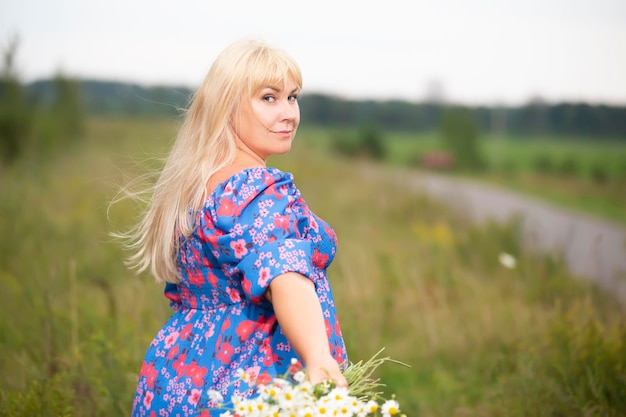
{"x":481,"y":339}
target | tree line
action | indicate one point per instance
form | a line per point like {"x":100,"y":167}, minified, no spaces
{"x":536,"y":118}
{"x":39,"y":113}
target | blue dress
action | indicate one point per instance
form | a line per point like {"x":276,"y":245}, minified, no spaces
{"x":253,"y":227}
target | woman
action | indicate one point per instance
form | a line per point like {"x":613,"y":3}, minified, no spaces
{"x":242,"y":257}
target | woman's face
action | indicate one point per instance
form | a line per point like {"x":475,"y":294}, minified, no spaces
{"x":268,"y":120}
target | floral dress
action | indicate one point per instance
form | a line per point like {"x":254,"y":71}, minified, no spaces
{"x":254,"y":227}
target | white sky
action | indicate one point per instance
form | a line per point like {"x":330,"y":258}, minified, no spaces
{"x":480,"y":51}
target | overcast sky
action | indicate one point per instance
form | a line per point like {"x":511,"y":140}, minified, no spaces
{"x":481,"y":51}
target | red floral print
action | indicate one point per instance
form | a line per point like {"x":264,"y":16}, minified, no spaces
{"x":245,"y":329}
{"x":194,"y":397}
{"x":147,"y":399}
{"x":282,"y":222}
{"x":225,"y":352}
{"x":320,"y":260}
{"x":150,"y":373}
{"x":196,"y":373}
{"x":239,"y":246}
{"x":186,"y":331}
{"x":226,"y":207}
{"x":180,"y":365}
{"x":170,"y":339}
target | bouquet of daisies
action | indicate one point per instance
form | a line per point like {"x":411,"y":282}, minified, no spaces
{"x":298,"y":397}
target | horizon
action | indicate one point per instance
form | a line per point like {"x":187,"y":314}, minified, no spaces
{"x":486,"y":51}
{"x":340,"y":97}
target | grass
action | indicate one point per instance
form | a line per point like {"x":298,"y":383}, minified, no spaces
{"x":410,"y":276}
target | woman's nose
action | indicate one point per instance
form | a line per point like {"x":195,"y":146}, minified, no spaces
{"x":289,"y":110}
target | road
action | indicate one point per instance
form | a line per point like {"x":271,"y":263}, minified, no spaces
{"x":592,"y":248}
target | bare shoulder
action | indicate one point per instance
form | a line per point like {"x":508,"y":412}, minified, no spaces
{"x":220,"y":176}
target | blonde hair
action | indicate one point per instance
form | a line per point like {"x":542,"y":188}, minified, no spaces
{"x":205,"y":143}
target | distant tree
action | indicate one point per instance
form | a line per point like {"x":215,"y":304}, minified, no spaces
{"x":61,"y":116}
{"x":460,"y":137}
{"x":344,"y":143}
{"x":68,"y":106}
{"x":599,"y":173}
{"x":15,"y":112}
{"x":371,"y":141}
{"x":365,"y":142}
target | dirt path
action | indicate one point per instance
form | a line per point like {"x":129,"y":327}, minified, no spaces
{"x":592,"y":248}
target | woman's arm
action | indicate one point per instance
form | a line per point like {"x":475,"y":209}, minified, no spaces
{"x":300,"y":316}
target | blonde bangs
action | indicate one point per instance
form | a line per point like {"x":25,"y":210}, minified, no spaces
{"x":274,"y":67}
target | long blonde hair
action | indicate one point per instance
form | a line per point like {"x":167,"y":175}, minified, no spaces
{"x":205,"y":143}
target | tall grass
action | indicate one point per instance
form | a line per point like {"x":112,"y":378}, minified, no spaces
{"x":410,"y":276}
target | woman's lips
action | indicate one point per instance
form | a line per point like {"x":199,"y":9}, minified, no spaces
{"x":284,"y":133}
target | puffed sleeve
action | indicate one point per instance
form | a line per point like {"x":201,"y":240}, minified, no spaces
{"x":261,"y":215}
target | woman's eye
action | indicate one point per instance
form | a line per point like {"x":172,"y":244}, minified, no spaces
{"x":269,"y":99}
{"x":293,"y":97}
